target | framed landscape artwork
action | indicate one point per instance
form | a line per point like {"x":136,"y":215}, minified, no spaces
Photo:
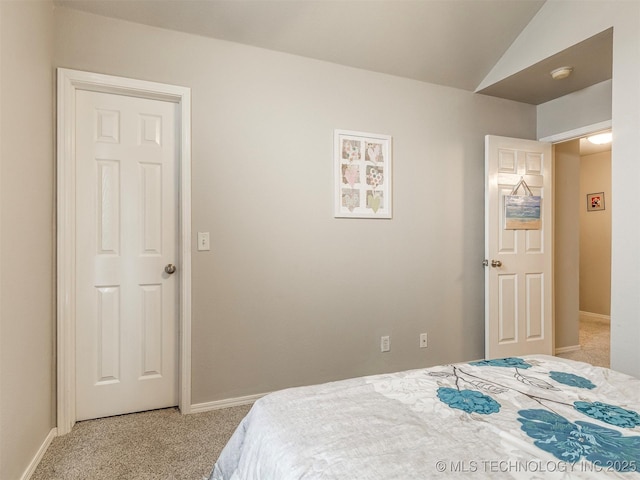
{"x":362,"y":165}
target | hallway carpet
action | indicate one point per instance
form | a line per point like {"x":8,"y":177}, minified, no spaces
{"x":595,"y":343}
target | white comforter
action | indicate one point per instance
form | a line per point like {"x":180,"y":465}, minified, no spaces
{"x":528,"y":417}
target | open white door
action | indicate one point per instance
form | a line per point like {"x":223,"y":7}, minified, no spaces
{"x":518,"y":265}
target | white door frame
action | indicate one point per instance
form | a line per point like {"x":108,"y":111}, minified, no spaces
{"x":561,"y":138}
{"x":70,"y":81}
{"x":577,"y":133}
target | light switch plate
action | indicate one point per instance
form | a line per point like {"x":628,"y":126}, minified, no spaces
{"x":203,"y":241}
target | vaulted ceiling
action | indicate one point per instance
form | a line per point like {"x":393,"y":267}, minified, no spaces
{"x":447,"y":42}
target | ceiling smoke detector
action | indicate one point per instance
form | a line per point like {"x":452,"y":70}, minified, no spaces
{"x":560,"y":73}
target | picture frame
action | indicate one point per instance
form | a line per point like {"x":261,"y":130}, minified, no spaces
{"x":595,"y":201}
{"x":522,"y":212}
{"x":362,"y":175}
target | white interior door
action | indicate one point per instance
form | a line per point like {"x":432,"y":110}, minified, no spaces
{"x":518,"y":271}
{"x":126,"y":234}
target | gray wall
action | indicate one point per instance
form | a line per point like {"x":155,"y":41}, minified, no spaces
{"x":580,"y":109}
{"x":595,"y":236}
{"x":27,"y":373}
{"x":567,"y":243}
{"x":289,"y":295}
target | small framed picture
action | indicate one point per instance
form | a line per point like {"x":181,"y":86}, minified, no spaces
{"x":362,"y":164}
{"x":595,"y":201}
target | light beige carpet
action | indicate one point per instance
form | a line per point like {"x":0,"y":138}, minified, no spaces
{"x":155,"y":445}
{"x":595,"y":343}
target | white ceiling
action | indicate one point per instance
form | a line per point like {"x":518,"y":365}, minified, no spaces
{"x":447,"y":42}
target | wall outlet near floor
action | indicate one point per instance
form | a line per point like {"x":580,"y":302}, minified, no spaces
{"x":385,"y":344}
{"x":423,"y":340}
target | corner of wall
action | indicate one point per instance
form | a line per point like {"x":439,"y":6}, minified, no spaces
{"x":26,"y":181}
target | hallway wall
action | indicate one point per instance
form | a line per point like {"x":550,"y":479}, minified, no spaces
{"x":595,"y":235}
{"x":567,"y":239}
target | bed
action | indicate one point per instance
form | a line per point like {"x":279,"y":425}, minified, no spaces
{"x":528,"y":417}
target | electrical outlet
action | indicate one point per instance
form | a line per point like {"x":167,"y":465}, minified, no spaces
{"x":423,"y":340}
{"x":385,"y":344}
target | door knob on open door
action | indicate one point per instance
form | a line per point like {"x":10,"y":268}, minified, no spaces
{"x":170,"y":268}
{"x":496,"y":263}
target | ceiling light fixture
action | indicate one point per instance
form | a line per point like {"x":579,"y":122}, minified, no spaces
{"x":560,"y":73}
{"x":601,"y":138}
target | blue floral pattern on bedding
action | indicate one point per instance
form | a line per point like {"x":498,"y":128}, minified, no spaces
{"x":571,"y":442}
{"x":567,"y":441}
{"x":468,"y":400}
{"x":503,"y":362}
{"x":612,"y":414}
{"x":571,"y":380}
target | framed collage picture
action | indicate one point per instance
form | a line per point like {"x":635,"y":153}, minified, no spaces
{"x":362,"y":171}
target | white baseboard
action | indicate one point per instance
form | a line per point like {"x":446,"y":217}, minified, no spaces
{"x":229,"y":402}
{"x":39,"y":454}
{"x":572,"y":348}
{"x":595,"y":316}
